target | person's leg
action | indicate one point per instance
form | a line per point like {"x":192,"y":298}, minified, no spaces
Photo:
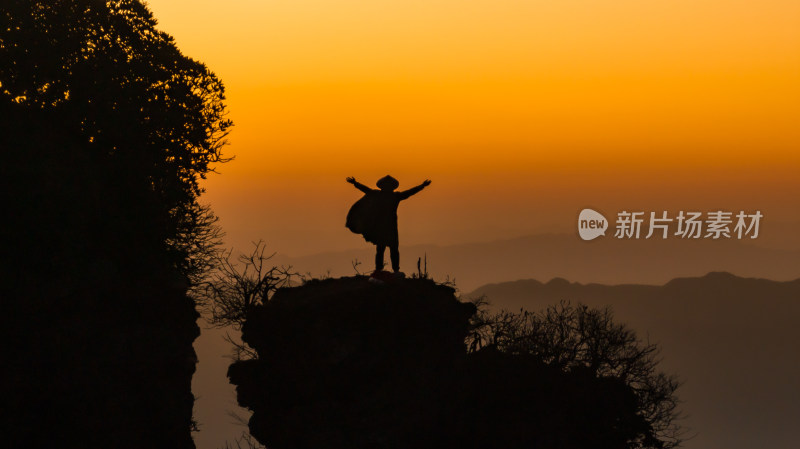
{"x":380,"y":249}
{"x":394,"y":253}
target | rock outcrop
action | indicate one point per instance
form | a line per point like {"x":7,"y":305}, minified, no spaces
{"x":348,"y":363}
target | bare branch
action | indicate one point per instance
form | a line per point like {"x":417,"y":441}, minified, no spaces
{"x":579,"y":337}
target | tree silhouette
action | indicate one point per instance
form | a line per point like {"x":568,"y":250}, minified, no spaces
{"x":582,"y":339}
{"x":106,"y":131}
{"x":236,"y":286}
{"x":132,"y":104}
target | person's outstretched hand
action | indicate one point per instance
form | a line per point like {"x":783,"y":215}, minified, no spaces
{"x":351,"y":180}
{"x":426,"y":183}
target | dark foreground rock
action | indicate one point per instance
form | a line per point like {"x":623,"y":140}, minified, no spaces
{"x":109,"y":366}
{"x":348,"y":363}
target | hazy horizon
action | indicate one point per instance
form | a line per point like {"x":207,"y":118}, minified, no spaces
{"x":521,"y":113}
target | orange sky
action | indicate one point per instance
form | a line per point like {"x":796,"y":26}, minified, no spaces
{"x":521,"y":112}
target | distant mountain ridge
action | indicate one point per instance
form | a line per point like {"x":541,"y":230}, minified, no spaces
{"x":561,"y":285}
{"x":734,"y":341}
{"x":605,"y":260}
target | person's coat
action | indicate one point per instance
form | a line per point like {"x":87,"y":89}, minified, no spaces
{"x":374,"y":216}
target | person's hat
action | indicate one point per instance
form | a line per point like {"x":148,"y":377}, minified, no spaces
{"x":387,"y":183}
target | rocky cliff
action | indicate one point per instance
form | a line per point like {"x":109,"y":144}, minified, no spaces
{"x":349,"y":363}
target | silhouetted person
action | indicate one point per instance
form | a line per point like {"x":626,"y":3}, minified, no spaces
{"x":375,"y":216}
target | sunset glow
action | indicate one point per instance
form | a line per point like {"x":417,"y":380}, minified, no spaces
{"x":562,"y":104}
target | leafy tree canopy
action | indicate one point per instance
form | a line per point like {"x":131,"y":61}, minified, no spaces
{"x":118,"y":92}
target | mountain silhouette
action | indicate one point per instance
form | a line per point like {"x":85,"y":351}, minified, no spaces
{"x":605,"y":260}
{"x":733,"y":340}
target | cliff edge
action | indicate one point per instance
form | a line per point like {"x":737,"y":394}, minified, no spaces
{"x":352,"y":363}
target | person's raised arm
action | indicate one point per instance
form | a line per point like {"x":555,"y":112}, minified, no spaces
{"x":407,"y":193}
{"x":358,"y":185}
